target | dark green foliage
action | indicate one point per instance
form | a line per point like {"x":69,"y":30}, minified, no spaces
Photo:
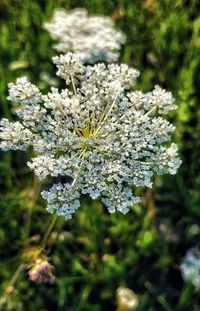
{"x":95,"y":252}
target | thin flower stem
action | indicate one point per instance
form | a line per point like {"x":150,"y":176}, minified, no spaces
{"x":49,"y":229}
{"x":73,"y":84}
{"x":14,"y":279}
{"x":79,"y":170}
{"x":104,"y":118}
{"x":150,"y":111}
{"x":33,"y":199}
{"x":11,"y":285}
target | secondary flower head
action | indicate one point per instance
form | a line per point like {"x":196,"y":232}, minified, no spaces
{"x":103,"y":137}
{"x":93,"y":37}
{"x":190,"y":267}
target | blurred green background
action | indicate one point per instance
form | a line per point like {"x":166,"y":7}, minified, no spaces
{"x":95,"y":253}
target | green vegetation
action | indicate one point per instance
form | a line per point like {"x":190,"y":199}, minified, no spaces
{"x":96,"y":252}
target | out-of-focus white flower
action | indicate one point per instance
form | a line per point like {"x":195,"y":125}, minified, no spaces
{"x":190,"y":267}
{"x":45,"y":77}
{"x":93,"y":37}
{"x":127,"y":300}
{"x":100,"y":135}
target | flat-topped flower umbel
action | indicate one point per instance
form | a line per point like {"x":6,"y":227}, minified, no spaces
{"x":103,"y":137}
{"x":93,"y":37}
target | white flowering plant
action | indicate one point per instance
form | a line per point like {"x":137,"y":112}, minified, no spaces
{"x":93,"y":37}
{"x":103,"y":137}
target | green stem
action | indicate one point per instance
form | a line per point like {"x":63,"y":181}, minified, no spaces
{"x":33,"y":199}
{"x":49,"y":229}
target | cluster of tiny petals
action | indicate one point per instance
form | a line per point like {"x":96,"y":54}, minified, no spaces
{"x":158,"y":98}
{"x":62,"y":199}
{"x":100,"y":136}
{"x":23,"y":92}
{"x":93,"y":37}
{"x":14,"y":135}
{"x":69,"y":66}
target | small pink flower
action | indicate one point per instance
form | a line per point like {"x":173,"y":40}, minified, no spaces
{"x":41,"y":272}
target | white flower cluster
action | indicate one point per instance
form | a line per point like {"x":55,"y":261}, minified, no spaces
{"x":97,"y":133}
{"x":190,"y":267}
{"x":94,"y":38}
